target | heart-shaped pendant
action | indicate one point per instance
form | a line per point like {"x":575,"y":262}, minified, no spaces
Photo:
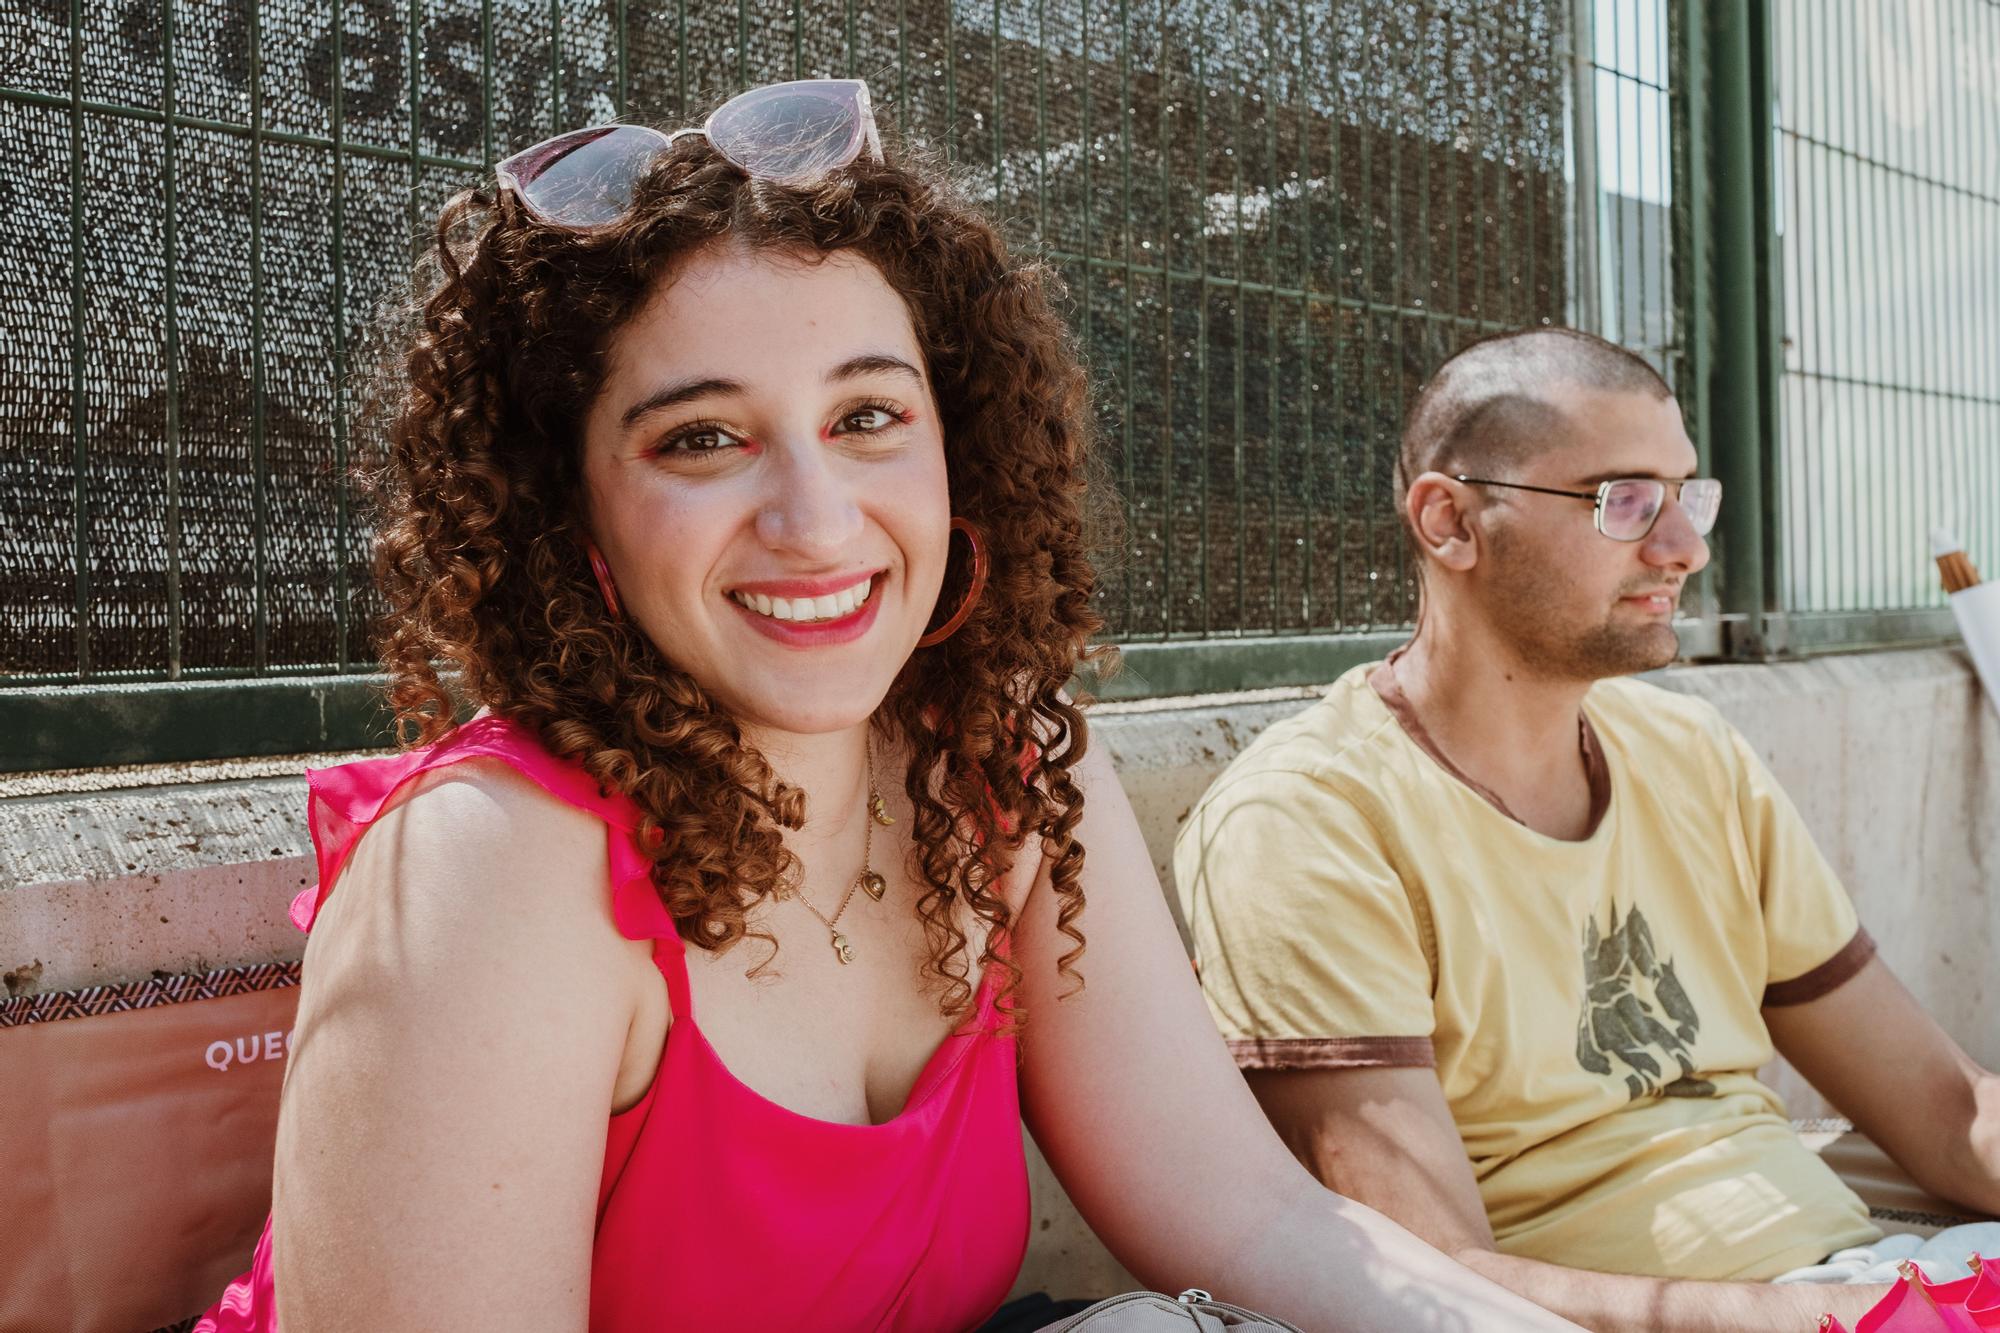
{"x":873,"y":885}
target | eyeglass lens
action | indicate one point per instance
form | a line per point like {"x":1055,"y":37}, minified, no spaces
{"x":1629,"y":508}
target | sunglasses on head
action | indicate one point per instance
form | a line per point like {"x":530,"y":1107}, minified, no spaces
{"x":791,"y":133}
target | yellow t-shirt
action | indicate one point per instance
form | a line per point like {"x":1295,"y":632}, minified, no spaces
{"x":1592,"y":1008}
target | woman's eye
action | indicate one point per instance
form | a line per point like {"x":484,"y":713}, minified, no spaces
{"x":698,"y":439}
{"x":872,"y":418}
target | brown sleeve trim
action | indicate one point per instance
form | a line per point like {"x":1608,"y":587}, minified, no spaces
{"x":1828,"y":976}
{"x":1333,"y":1052}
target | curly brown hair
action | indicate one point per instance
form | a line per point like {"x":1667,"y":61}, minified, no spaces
{"x":478,"y":546}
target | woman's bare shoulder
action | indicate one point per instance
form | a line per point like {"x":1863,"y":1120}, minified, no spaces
{"x":478,"y":855}
{"x":485,"y":799}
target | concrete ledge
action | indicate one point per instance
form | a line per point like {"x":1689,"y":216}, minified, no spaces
{"x":1892,"y":758}
{"x":115,"y":886}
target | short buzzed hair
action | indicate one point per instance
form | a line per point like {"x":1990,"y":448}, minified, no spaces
{"x":1488,"y":405}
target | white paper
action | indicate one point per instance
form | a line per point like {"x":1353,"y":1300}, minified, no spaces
{"x":1978,"y":612}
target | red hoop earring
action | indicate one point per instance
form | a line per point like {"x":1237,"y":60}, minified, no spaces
{"x":605,"y":586}
{"x":950,"y":627}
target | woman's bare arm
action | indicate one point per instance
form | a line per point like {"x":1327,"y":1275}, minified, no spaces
{"x":460,"y":1024}
{"x":1132,"y":1096}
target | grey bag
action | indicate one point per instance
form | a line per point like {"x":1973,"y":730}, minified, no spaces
{"x":1193,"y":1311}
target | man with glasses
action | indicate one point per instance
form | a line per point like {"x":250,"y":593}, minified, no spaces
{"x":1499,"y":935}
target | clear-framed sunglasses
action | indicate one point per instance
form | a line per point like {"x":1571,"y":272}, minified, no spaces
{"x":785,"y":132}
{"x":1628,"y":507}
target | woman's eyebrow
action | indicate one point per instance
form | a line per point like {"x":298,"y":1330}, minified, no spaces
{"x":673,"y":395}
{"x":872,"y":363}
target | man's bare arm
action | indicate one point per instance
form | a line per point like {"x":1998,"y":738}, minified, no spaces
{"x":1385,"y":1137}
{"x":1877,"y":1055}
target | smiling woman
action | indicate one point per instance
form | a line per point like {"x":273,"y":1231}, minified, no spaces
{"x":769,"y":420}
{"x":808,"y":495}
{"x":731,"y":490}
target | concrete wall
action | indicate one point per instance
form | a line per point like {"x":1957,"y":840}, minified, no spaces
{"x":1892,"y":758}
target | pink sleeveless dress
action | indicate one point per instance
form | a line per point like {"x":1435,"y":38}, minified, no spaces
{"x":778,"y":1220}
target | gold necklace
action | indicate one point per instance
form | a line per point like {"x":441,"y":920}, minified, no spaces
{"x":874,"y":885}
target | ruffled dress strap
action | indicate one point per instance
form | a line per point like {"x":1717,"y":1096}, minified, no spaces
{"x":344,"y":800}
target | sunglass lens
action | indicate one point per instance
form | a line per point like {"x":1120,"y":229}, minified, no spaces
{"x":790,"y":132}
{"x":584,"y":180}
{"x":1630,"y":508}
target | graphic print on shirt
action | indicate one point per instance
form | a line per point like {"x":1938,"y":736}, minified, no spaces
{"x":1635,"y":1011}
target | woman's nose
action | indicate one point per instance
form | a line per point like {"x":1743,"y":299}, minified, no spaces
{"x":810,"y":508}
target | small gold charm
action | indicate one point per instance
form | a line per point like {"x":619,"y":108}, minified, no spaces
{"x":842,"y":949}
{"x":873,"y":885}
{"x":880,"y":809}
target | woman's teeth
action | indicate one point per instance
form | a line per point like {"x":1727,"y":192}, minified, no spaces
{"x":807,"y":610}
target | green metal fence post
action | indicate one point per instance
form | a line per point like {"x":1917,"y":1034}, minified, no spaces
{"x":1738,"y":374}
{"x":79,"y":415}
{"x":1694,"y":256}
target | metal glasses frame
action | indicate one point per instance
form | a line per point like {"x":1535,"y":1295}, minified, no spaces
{"x":1603,"y":492}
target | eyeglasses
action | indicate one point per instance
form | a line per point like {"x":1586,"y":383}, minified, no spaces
{"x":785,"y":132}
{"x":1628,"y":507}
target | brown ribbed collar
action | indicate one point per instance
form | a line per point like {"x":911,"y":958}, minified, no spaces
{"x":1390,"y":690}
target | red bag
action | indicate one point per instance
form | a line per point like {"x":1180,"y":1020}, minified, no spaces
{"x":1914,"y":1305}
{"x":135,"y":1147}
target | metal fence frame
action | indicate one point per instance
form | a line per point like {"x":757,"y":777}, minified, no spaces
{"x":1727,"y":305}
{"x":1885,"y":182}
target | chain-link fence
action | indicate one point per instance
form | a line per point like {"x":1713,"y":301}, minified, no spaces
{"x":1274,"y":219}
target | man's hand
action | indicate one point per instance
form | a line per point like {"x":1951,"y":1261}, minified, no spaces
{"x":1385,"y":1137}
{"x":1886,"y":1064}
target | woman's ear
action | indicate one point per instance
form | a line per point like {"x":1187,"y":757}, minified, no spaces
{"x":1441,"y":517}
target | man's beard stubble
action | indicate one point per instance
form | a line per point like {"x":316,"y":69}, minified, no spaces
{"x":1542,"y":615}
